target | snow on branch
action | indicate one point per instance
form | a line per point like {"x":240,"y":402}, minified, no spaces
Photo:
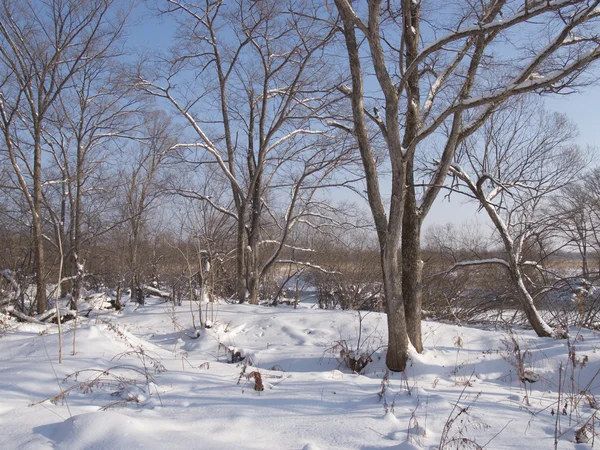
{"x":341,"y":126}
{"x":208,"y":145}
{"x":293,"y":247}
{"x":197,"y":196}
{"x":8,"y":275}
{"x":531,"y":10}
{"x":307,"y":264}
{"x":291,"y":135}
{"x":478,"y":262}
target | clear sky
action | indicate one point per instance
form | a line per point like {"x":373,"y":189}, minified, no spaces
{"x":584,"y":109}
{"x":151,"y":32}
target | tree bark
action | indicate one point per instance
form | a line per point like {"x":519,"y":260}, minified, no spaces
{"x":541,"y":328}
{"x":397,"y":351}
{"x":412,"y":268}
{"x":240,"y":259}
{"x":254,"y":270}
{"x":389,"y":229}
{"x":38,"y":242}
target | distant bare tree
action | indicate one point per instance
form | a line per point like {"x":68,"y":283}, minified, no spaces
{"x":576,"y":213}
{"x":143,"y":182}
{"x":91,"y":117}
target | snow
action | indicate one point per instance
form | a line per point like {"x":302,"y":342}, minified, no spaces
{"x":139,"y":381}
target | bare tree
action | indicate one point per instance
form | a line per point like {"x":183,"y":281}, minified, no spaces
{"x":520,"y":157}
{"x":263,"y":65}
{"x":573,"y":214}
{"x":42,"y":46}
{"x":442,"y":68}
{"x":575,"y":210}
{"x":143,"y":182}
{"x":90,"y":117}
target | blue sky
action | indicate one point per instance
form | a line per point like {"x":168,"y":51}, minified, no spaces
{"x":583,"y":109}
{"x":152,"y":32}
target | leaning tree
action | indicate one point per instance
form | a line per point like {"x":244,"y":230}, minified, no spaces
{"x":511,"y":166}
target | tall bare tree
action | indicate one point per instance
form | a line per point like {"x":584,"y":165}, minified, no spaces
{"x":262,"y":65}
{"x":576,"y":213}
{"x":441,"y":69}
{"x":90,"y":118}
{"x":42,"y":46}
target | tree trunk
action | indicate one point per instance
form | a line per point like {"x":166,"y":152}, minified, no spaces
{"x":397,"y":352}
{"x":38,"y":242}
{"x":254,"y":270}
{"x":240,"y":259}
{"x":66,"y":285}
{"x":253,"y":289}
{"x":411,"y":220}
{"x":412,"y":270}
{"x":77,"y":268}
{"x":541,"y":328}
{"x":134,"y":281}
{"x":40,"y":296}
{"x":253,"y":274}
{"x":78,"y":281}
{"x":584,"y":263}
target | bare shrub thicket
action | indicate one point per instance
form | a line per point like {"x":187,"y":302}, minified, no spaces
{"x":469,"y":293}
{"x":573,"y":302}
{"x":352,"y":282}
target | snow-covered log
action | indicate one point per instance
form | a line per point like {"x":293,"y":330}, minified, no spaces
{"x":157,"y":292}
{"x":24,"y":317}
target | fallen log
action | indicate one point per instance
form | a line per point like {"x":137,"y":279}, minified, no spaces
{"x":24,"y":317}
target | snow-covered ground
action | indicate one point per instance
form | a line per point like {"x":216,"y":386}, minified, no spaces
{"x":140,"y":379}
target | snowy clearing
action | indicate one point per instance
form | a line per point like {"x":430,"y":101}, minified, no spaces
{"x":140,"y":380}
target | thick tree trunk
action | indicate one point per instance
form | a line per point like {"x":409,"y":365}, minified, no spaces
{"x":253,"y":289}
{"x":412,"y":271}
{"x":253,"y":277}
{"x":254,"y":270}
{"x":78,"y":281}
{"x":389,"y":226}
{"x":397,"y":352}
{"x":411,"y":220}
